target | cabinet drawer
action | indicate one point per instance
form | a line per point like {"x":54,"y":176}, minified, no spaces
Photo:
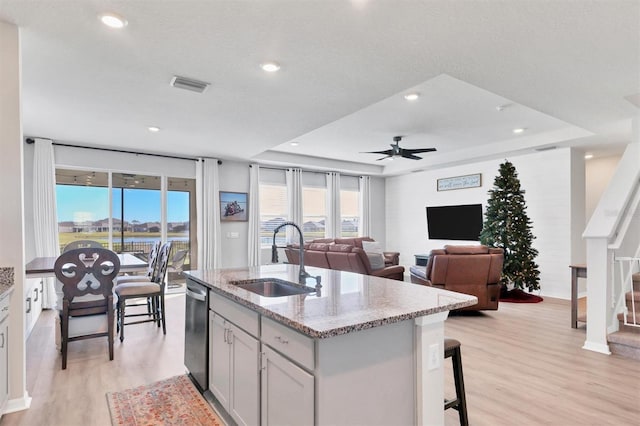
{"x":289,"y":342}
{"x":241,"y":316}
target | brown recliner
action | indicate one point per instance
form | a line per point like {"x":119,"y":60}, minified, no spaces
{"x":474,"y":270}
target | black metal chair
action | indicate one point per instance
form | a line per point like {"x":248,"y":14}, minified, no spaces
{"x":84,"y":272}
{"x":452,"y":350}
{"x":152,"y":290}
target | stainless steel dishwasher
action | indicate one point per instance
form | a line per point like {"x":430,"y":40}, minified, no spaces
{"x":196,"y":352}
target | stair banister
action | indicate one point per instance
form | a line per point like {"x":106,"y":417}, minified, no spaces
{"x":604,"y":228}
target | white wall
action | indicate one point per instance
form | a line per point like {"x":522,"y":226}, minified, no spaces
{"x":546,"y":178}
{"x":11,"y":208}
{"x":234,"y":177}
{"x":598,"y":173}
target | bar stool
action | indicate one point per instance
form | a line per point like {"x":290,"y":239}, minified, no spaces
{"x":452,"y":349}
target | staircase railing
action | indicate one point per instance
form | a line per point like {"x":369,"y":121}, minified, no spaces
{"x":627,"y":266}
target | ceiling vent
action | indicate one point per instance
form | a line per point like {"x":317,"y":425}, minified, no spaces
{"x":546,"y":148}
{"x":189,"y":84}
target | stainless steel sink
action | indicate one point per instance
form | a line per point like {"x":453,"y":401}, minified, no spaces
{"x":273,"y":287}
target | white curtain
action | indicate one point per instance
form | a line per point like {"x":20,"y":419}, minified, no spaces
{"x":333,"y":228}
{"x":294,"y":203}
{"x":364,"y":207}
{"x":208,"y":207}
{"x":254,"y":215}
{"x":45,"y":217}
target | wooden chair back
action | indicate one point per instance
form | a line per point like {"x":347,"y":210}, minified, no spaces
{"x":160,"y":270}
{"x":84,"y":272}
{"x":153,"y":258}
{"x":81,"y":244}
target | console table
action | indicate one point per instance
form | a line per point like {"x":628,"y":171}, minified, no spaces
{"x":577,"y":271}
{"x":421,"y":259}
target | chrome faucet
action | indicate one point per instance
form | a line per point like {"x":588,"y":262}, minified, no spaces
{"x":303,"y":275}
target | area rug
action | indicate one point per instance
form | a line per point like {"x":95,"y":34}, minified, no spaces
{"x":518,"y":296}
{"x":173,"y":401}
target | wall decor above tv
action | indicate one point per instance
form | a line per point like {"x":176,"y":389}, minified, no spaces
{"x":460,"y":182}
{"x":462,"y":222}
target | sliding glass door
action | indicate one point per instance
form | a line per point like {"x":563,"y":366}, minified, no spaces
{"x":136,"y":212}
{"x":135,"y":220}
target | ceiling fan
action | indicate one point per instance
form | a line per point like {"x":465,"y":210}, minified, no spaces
{"x":396,"y":151}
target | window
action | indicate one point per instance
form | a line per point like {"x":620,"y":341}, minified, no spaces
{"x":349,"y":217}
{"x":136,"y":210}
{"x":273,"y":212}
{"x":314,"y":212}
{"x":83,"y":206}
{"x":180,"y":205}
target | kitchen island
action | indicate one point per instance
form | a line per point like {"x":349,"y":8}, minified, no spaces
{"x":361,"y":350}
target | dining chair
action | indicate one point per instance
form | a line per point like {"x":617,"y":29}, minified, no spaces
{"x":152,"y":261}
{"x":152,"y":290}
{"x":82,"y":244}
{"x":174,"y":270}
{"x":87,"y":276}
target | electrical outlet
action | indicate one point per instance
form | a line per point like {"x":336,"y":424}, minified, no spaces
{"x":434,"y":357}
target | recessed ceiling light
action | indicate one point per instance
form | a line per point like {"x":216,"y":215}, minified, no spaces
{"x":412,"y":96}
{"x":588,"y":156}
{"x":519,"y":130}
{"x":153,"y":129}
{"x":113,"y":20}
{"x":294,"y":144}
{"x":270,"y":66}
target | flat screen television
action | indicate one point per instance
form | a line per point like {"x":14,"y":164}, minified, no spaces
{"x":463,"y":222}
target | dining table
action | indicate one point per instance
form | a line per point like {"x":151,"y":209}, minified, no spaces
{"x":43,"y":266}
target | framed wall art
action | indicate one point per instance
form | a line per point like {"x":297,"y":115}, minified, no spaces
{"x":233,"y":206}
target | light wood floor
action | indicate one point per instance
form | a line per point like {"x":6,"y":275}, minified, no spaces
{"x":76,"y":396}
{"x":523,"y":365}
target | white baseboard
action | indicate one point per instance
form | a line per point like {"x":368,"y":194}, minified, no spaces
{"x":18,"y":404}
{"x":597,"y":347}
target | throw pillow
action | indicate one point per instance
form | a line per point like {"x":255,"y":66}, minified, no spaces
{"x":374,"y":253}
{"x":376,"y":260}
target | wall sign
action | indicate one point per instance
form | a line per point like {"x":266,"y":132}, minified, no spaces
{"x":460,"y":182}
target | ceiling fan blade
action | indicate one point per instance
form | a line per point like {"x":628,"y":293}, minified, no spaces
{"x":418,"y":151}
{"x":410,"y":156}
{"x":385,"y":152}
{"x":383,"y":158}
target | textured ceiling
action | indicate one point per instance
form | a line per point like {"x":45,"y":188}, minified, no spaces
{"x":564,"y":67}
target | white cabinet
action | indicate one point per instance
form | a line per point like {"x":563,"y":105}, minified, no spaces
{"x":4,"y":352}
{"x":234,"y":369}
{"x":259,"y":384}
{"x":34,"y":288}
{"x":287,"y":391}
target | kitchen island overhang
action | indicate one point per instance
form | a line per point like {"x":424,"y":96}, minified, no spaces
{"x":363,"y":311}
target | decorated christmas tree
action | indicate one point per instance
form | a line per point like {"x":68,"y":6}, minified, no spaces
{"x":507,"y":226}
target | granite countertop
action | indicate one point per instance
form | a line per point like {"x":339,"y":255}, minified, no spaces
{"x":347,"y":302}
{"x":6,"y":280}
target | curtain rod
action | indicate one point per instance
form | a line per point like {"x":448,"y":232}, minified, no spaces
{"x":31,"y":140}
{"x":312,"y":171}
